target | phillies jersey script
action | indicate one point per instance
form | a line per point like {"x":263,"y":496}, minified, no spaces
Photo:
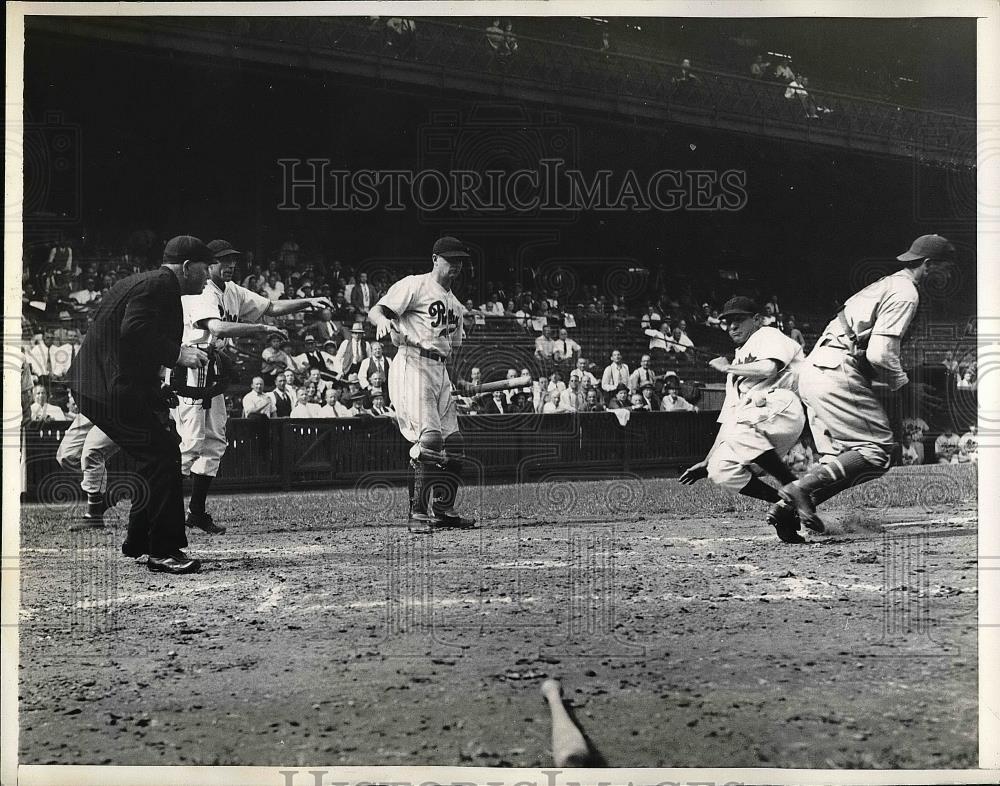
{"x":232,"y":304}
{"x":429,"y":317}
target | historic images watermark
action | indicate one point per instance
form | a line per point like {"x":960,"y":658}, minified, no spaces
{"x":551,"y":187}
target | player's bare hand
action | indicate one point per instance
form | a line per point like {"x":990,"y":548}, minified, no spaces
{"x":316,"y":303}
{"x":273,"y":330}
{"x":720,"y":363}
{"x":694,"y":473}
{"x":383,"y":327}
{"x":192,"y":357}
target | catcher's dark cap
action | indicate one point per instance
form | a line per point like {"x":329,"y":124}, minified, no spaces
{"x":185,"y":248}
{"x":222,"y":248}
{"x":929,"y":247}
{"x":450,"y":248}
{"x":739,"y":306}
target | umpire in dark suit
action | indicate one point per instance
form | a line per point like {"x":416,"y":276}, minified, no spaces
{"x":115,"y":379}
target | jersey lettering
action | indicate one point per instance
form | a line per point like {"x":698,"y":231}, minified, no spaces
{"x":442,"y":315}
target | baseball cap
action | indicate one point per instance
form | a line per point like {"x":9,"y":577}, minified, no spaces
{"x":450,"y":248}
{"x":739,"y":306}
{"x":929,"y":246}
{"x":222,"y":248}
{"x":185,"y":248}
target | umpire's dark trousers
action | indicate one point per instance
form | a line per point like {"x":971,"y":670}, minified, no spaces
{"x":147,"y":435}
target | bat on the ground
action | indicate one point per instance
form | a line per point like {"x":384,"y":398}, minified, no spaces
{"x":465,"y":389}
{"x":569,"y":748}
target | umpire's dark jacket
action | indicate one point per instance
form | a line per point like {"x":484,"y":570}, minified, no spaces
{"x":136,"y":329}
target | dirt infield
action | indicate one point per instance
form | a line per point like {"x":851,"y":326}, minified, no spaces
{"x":684,"y":633}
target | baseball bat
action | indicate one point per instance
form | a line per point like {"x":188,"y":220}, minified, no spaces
{"x":490,"y":387}
{"x":569,"y":748}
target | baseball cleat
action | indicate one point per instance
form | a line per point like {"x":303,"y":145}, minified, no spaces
{"x":785,"y":520}
{"x":451,"y":519}
{"x":420,"y":523}
{"x":203,"y":521}
{"x":799,"y":498}
{"x":176,"y":563}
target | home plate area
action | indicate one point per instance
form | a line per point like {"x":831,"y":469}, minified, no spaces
{"x":682,"y":631}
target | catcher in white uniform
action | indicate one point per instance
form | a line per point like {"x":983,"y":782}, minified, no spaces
{"x":424,"y":319}
{"x":86,"y":449}
{"x":222,"y":312}
{"x":859,"y":350}
{"x":762,"y":416}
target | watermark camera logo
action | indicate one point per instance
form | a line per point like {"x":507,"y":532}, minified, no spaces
{"x":52,"y":155}
{"x":953,"y":191}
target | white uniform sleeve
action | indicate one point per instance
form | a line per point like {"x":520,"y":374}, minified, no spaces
{"x":202,"y":307}
{"x":400,"y":295}
{"x":772,"y":344}
{"x":894,"y":315}
{"x":251,"y":305}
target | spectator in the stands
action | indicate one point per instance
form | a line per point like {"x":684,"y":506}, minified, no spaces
{"x":304,"y":408}
{"x":659,"y":340}
{"x":379,"y":406}
{"x":582,"y":373}
{"x":565,"y":350}
{"x":545,"y":347}
{"x":292,"y":384}
{"x":311,"y":356}
{"x":496,"y":404}
{"x":329,"y":407}
{"x":38,"y":359}
{"x":768,"y":318}
{"x":672,"y":400}
{"x":950,"y":364}
{"x":571,"y":398}
{"x":615,"y":374}
{"x":88,"y":293}
{"x":61,"y":355}
{"x":257,"y":403}
{"x":620,"y":400}
{"x":916,"y":427}
{"x":41,"y":410}
{"x":352,"y":351}
{"x":648,"y":392}
{"x":555,"y":384}
{"x":273,"y":287}
{"x":760,"y":67}
{"x":793,"y":331}
{"x":289,"y":252}
{"x":362,"y":296}
{"x":314,"y":379}
{"x":909,"y":455}
{"x":946,"y":446}
{"x":686,"y":77}
{"x":637,"y":402}
{"x":376,"y":363}
{"x":275,"y":360}
{"x":796,"y":91}
{"x":968,"y":446}
{"x":510,"y":39}
{"x":592,"y":402}
{"x":550,"y":403}
{"x":326,"y":328}
{"x":783,"y":72}
{"x":679,"y":343}
{"x":967,"y":380}
{"x":650,"y":318}
{"x":282,"y":397}
{"x":643,"y":374}
{"x":305,"y":289}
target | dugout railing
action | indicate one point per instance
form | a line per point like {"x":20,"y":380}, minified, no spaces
{"x":292,"y":454}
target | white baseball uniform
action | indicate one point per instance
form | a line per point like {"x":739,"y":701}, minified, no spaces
{"x":203,"y":431}
{"x":430,"y":329}
{"x":844,"y":413}
{"x":85,"y":448}
{"x":755,"y":421}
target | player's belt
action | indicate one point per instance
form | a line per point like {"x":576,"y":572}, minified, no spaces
{"x":431,"y":354}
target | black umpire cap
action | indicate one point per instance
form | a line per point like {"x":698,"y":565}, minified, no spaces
{"x":185,"y":248}
{"x":222,"y":248}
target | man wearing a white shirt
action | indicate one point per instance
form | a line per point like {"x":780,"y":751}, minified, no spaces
{"x":377,"y":363}
{"x":615,"y":375}
{"x":352,"y":351}
{"x":257,"y":403}
{"x":60,"y":358}
{"x":641,"y":375}
{"x":583,"y":375}
{"x":273,"y":288}
{"x":565,"y":349}
{"x":673,"y":401}
{"x":313,"y":357}
{"x":41,"y":410}
{"x":38,"y":359}
{"x":87,"y":294}
{"x":304,"y":408}
{"x":544,"y":351}
{"x":571,"y":399}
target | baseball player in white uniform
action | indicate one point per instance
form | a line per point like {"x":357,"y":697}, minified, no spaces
{"x":424,"y":319}
{"x":222,"y":312}
{"x":85,"y":448}
{"x":762,"y":416}
{"x":858,"y":350}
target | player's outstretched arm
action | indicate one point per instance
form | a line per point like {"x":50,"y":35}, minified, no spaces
{"x":279,"y":308}
{"x":221,"y":329}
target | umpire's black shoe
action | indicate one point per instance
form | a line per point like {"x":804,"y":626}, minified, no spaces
{"x":203,"y":521}
{"x":133,"y":552}
{"x":785,"y":519}
{"x":178,"y":562}
{"x":451,"y":519}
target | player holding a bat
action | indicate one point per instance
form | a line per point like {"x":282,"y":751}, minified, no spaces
{"x":762,"y":416}
{"x":424,"y":319}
